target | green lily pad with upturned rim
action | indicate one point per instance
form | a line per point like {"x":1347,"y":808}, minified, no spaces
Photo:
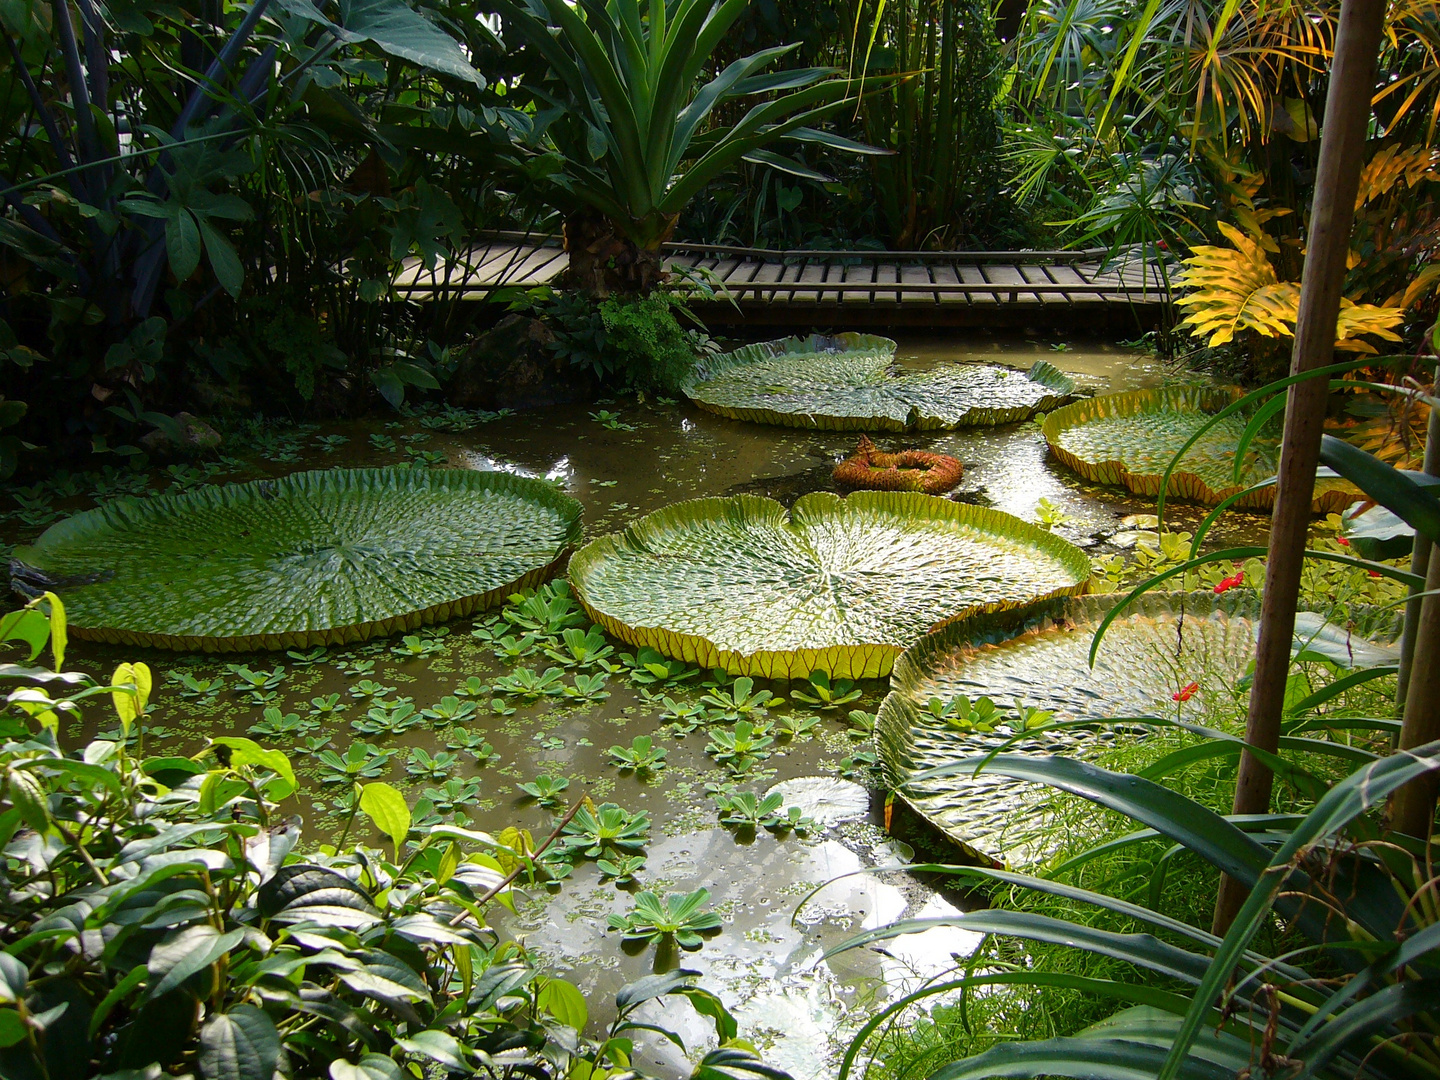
{"x":1129,"y":439}
{"x":314,"y":558}
{"x":1158,"y":647}
{"x":837,"y":585}
{"x":849,"y":383}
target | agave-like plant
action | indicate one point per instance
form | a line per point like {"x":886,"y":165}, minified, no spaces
{"x":1363,"y":1004}
{"x":634,"y":130}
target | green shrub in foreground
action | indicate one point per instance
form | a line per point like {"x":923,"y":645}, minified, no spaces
{"x":158,"y":920}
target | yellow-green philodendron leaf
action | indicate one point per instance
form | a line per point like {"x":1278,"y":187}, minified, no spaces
{"x":1130,"y":438}
{"x":315,"y":558}
{"x":849,"y":383}
{"x":840,"y":585}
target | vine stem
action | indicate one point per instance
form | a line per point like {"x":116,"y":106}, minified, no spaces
{"x":520,"y":864}
{"x":1337,"y":182}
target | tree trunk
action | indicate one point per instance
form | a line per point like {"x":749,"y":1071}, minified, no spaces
{"x":604,"y":261}
{"x":1347,"y":114}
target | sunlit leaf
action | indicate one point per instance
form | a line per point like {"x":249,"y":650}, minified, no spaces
{"x":387,"y":808}
{"x":840,"y":585}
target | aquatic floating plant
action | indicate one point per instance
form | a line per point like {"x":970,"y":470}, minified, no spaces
{"x":1167,"y":656}
{"x":848,"y":383}
{"x":873,"y":469}
{"x":839,"y":585}
{"x":1129,"y":439}
{"x":309,"y":559}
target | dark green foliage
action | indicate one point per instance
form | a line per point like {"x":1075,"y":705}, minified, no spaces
{"x":159,"y":916}
{"x":945,"y":185}
{"x":650,"y":347}
{"x":625,"y":342}
{"x":162,"y":206}
{"x":300,"y":347}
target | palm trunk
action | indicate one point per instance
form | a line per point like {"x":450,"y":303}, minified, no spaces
{"x":604,"y":261}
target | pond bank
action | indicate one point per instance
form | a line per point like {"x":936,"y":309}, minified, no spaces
{"x":623,"y":459}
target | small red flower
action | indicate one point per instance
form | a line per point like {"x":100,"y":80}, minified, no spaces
{"x":1374,"y":573}
{"x":1163,"y":246}
{"x":1229,"y":583}
{"x":1186,"y":692}
{"x":1342,"y":541}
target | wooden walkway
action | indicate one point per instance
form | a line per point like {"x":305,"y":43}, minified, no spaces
{"x":848,"y":288}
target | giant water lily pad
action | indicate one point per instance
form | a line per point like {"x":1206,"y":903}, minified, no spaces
{"x":1194,"y":645}
{"x":313,"y":558}
{"x":849,"y":383}
{"x":1129,"y":439}
{"x":838,"y":584}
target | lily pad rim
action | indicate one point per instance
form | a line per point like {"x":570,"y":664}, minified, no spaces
{"x":569,"y":510}
{"x":696,"y":648}
{"x":1199,"y":397}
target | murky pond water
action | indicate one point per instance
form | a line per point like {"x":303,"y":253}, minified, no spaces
{"x":766,"y":962}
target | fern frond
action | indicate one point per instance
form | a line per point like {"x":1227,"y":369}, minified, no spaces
{"x":1356,"y":319}
{"x":1235,"y":289}
{"x":1390,"y":166}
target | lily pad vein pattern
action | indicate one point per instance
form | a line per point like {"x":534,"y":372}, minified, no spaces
{"x":838,"y":584}
{"x":1130,"y":439}
{"x":848,"y":383}
{"x":313,"y":558}
{"x":1169,"y":655}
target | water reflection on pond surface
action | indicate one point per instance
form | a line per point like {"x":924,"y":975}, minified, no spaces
{"x":766,"y":965}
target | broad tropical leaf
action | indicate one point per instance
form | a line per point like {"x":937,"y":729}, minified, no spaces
{"x":848,"y":383}
{"x":840,"y":585}
{"x":395,"y":27}
{"x":1410,"y":496}
{"x":1235,"y":289}
{"x":310,"y":559}
{"x":1130,"y":438}
{"x":241,"y":1044}
{"x":1376,"y":533}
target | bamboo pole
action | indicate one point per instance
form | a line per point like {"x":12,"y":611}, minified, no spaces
{"x":1412,"y":808}
{"x":1419,"y":565}
{"x":1337,"y":180}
